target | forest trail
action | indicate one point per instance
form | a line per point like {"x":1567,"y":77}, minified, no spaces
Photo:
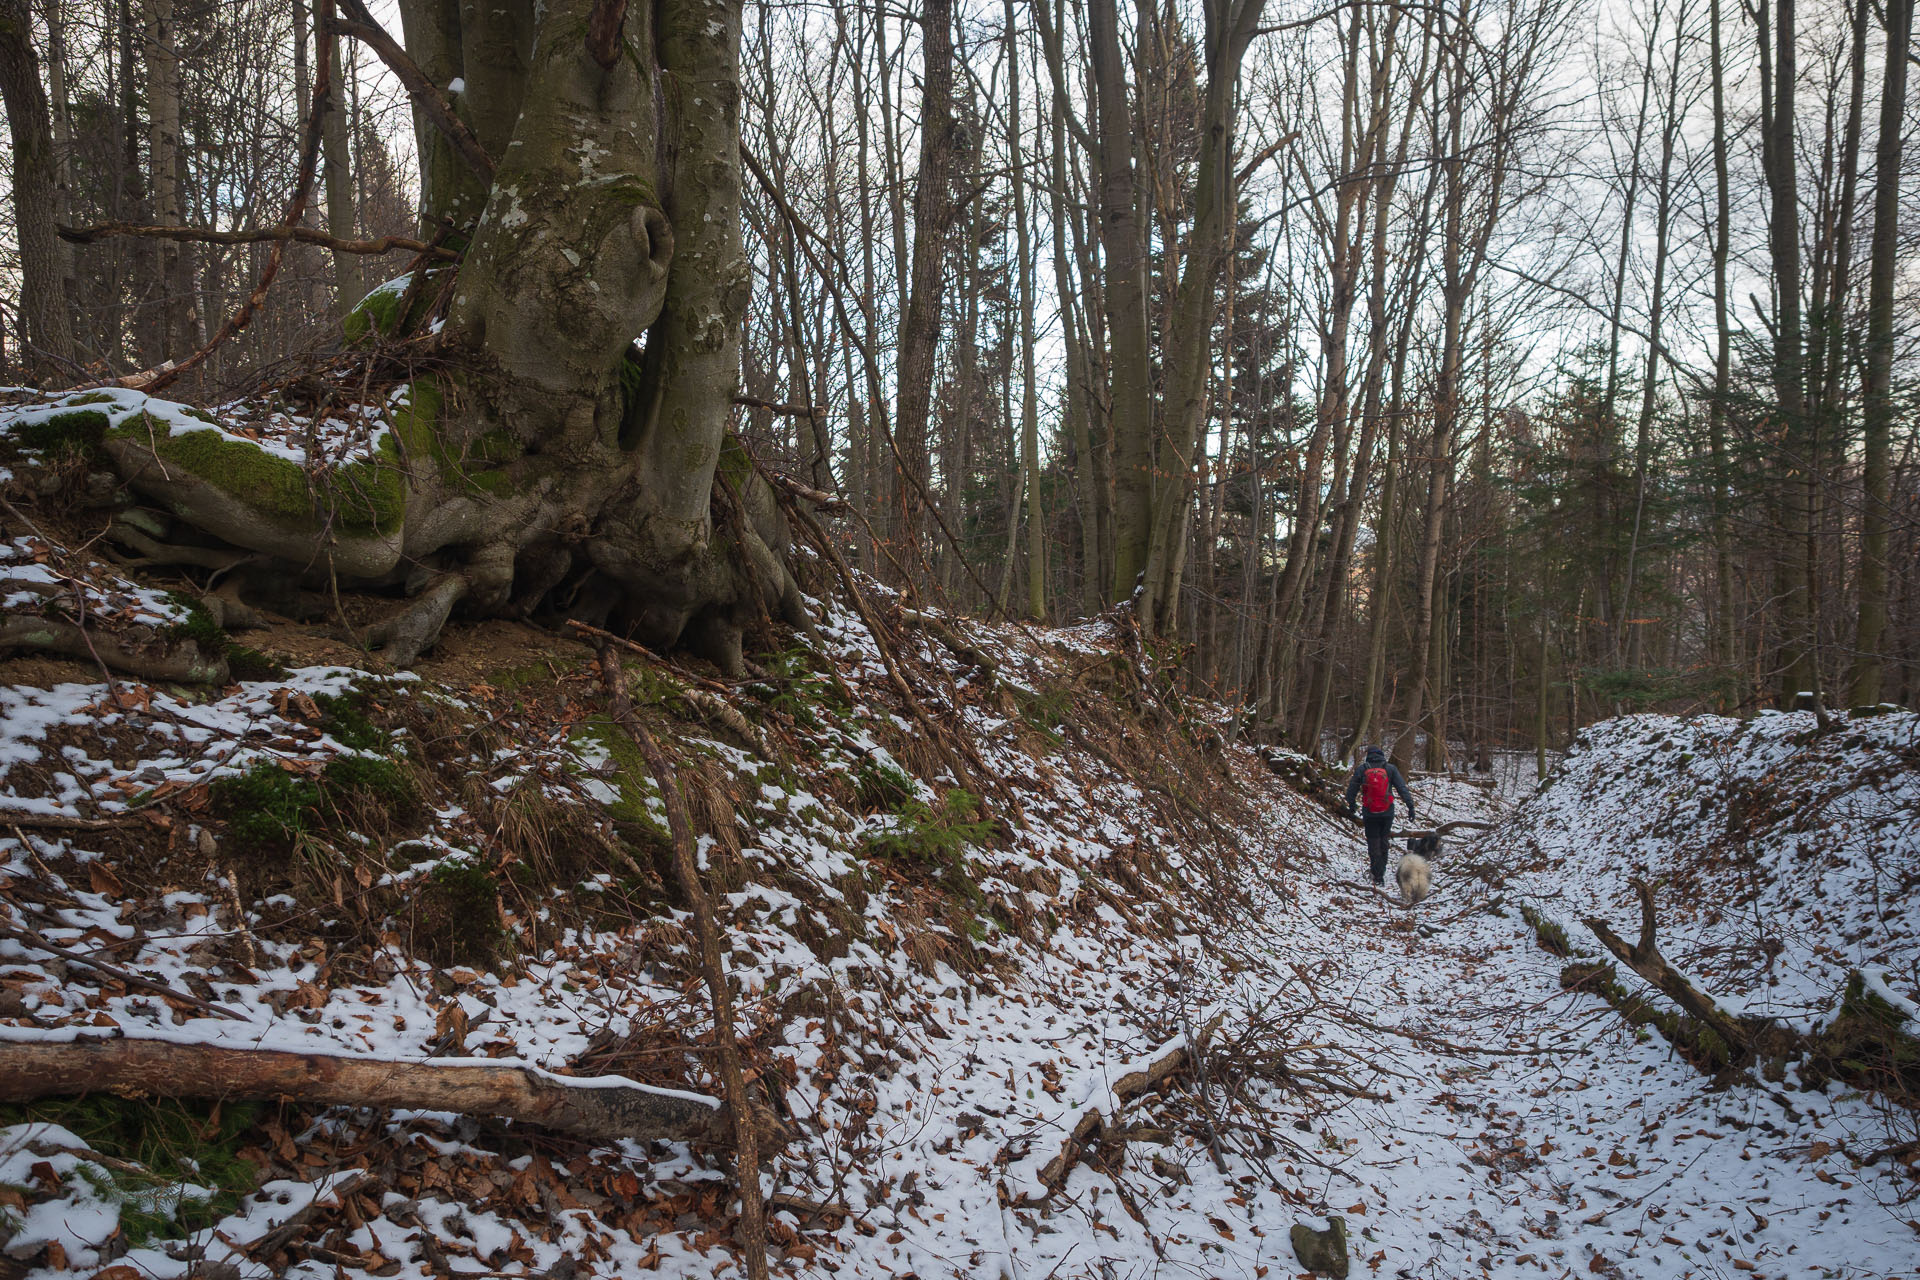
{"x":1144,"y":1023}
{"x":1500,"y":1125}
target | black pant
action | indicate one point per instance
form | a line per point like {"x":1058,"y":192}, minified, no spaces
{"x":1379,"y":835}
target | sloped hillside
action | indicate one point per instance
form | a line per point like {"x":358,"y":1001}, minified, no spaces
{"x":1036,"y":976}
{"x":1782,"y":857}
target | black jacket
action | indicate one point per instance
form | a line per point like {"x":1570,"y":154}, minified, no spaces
{"x":1377,"y":757}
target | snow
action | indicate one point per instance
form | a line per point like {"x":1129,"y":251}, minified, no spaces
{"x":1421,"y":1074}
{"x":352,"y":431}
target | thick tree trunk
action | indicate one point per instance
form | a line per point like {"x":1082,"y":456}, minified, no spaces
{"x":1189,"y":340}
{"x":932,"y":212}
{"x":1794,"y":660}
{"x":338,"y":171}
{"x":1029,"y":392}
{"x":548,"y":467}
{"x":43,"y":258}
{"x":181,"y":315}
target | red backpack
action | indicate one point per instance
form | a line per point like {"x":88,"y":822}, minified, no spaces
{"x":1376,"y":793}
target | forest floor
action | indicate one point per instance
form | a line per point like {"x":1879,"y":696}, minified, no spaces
{"x":1115,"y":913}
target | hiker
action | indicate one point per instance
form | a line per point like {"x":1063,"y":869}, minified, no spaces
{"x":1375,"y":781}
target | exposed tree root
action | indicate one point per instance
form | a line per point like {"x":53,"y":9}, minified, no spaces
{"x":402,"y":638}
{"x":1094,"y":1125}
{"x":175,"y":660}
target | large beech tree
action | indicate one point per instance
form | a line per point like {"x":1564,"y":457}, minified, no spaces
{"x":571,"y":452}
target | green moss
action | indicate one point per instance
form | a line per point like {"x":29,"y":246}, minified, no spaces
{"x":1552,"y":938}
{"x":456,"y":916}
{"x":266,"y":808}
{"x":190,"y":1176}
{"x":242,"y":663}
{"x":94,"y":397}
{"x":366,"y":496}
{"x":371,"y":778}
{"x":345,"y":718}
{"x":377,"y":315}
{"x":75,"y":431}
{"x":417,"y":426}
{"x":630,"y":776}
{"x":735,"y":463}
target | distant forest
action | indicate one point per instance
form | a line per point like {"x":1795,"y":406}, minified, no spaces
{"x":1453,"y":373}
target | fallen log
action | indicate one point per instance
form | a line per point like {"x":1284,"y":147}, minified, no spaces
{"x":601,"y":1108}
{"x":1445,"y":828}
{"x":1644,"y":958}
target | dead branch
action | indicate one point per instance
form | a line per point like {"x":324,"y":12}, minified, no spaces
{"x":1644,"y":958}
{"x":38,"y":943}
{"x":597,"y":1108}
{"x":428,"y":96}
{"x":1093,"y":1123}
{"x":1446,"y":828}
{"x":746,"y":1148}
{"x":786,"y":410}
{"x":818,"y":537}
{"x":62,"y":822}
{"x":257,"y":235}
{"x":954,"y":643}
{"x":281,"y":1236}
{"x":177,"y":661}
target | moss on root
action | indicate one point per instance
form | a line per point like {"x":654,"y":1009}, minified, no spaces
{"x":366,"y":495}
{"x":74,"y":431}
{"x":243,"y":663}
{"x":417,"y":423}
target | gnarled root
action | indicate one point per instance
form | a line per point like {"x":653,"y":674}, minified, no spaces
{"x":412,"y":631}
{"x":177,"y":660}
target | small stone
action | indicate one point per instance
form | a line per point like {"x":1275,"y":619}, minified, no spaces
{"x":1324,"y":1253}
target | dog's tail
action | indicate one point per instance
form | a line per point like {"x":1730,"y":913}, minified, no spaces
{"x":1416,"y":879}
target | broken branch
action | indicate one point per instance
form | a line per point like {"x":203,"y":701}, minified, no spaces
{"x":1644,"y":958}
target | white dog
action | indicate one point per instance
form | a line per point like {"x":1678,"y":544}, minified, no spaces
{"x":1414,"y":875}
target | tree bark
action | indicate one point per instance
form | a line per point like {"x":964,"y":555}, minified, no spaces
{"x":932,"y":214}
{"x":337,"y":172}
{"x":179,"y":303}
{"x":1794,"y":651}
{"x":1130,"y":382}
{"x":1878,"y":408}
{"x":44,"y":260}
{"x":597,"y":1108}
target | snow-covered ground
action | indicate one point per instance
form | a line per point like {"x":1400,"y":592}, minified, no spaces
{"x":1420,"y":1074}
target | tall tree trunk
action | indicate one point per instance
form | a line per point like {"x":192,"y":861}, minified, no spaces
{"x":1130,"y":354}
{"x":1726,"y":644}
{"x":338,"y":175}
{"x":181,"y":316}
{"x":1189,"y":339}
{"x":1794,"y":660}
{"x":1878,"y":409}
{"x":1029,"y":391}
{"x":43,"y":305}
{"x":932,"y":214}
{"x":1643,"y":428}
